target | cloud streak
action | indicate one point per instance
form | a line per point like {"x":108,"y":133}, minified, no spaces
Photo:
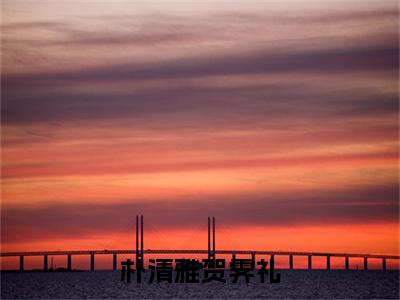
{"x":376,"y":58}
{"x":322,"y":208}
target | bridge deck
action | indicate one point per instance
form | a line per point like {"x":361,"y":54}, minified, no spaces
{"x":149,"y":251}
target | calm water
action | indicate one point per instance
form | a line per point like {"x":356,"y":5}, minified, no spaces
{"x":294,"y":284}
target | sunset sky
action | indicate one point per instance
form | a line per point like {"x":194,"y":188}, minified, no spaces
{"x":279,"y":118}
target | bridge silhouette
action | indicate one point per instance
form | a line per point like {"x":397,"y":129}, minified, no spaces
{"x":211,"y":252}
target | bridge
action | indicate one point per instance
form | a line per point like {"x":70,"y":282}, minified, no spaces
{"x":211,"y":252}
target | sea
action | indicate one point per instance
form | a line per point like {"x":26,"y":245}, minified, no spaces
{"x":294,"y":284}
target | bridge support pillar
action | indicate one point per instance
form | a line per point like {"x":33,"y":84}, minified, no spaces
{"x":114,"y":262}
{"x":253,"y":260}
{"x":365,"y":263}
{"x":92,"y":262}
{"x":45,"y":263}
{"x":291,"y":262}
{"x":383,"y":263}
{"x":310,"y":262}
{"x":272,"y":261}
{"x":21,"y":263}
{"x":347,"y":263}
{"x":328,"y":262}
{"x":69,"y":262}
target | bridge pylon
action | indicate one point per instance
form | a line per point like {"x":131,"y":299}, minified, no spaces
{"x":139,"y":242}
{"x":211,"y":239}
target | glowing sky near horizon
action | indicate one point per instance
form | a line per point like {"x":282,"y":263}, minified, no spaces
{"x":280,"y":118}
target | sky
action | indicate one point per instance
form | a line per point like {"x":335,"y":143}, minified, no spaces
{"x":279,"y":118}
